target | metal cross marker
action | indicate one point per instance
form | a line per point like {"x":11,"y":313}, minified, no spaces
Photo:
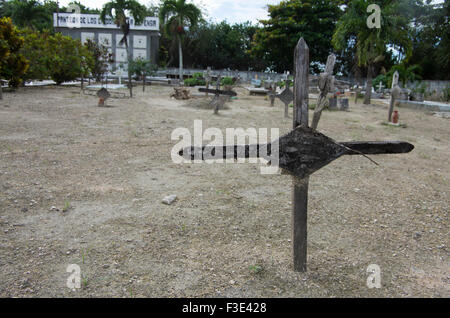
{"x":217,"y":92}
{"x":301,"y":152}
{"x":286,"y":96}
{"x":103,"y":95}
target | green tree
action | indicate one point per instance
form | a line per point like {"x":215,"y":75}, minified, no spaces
{"x":121,"y":11}
{"x":66,"y":58}
{"x":35,"y":51}
{"x":406,"y":74}
{"x":177,"y":16}
{"x":431,"y":41}
{"x":289,"y":21}
{"x":371,"y":44}
{"x":55,"y":56}
{"x":30,"y":14}
{"x":141,"y":68}
{"x":13,"y":65}
{"x":101,"y":59}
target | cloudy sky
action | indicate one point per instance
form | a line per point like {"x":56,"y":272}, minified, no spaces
{"x":217,"y":10}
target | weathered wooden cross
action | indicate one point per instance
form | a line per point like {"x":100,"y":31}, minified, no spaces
{"x":395,"y":93}
{"x":301,"y":152}
{"x":217,"y":92}
{"x":272,"y":93}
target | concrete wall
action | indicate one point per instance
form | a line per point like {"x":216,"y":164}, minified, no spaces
{"x":149,"y":51}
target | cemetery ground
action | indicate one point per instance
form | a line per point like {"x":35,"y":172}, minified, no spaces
{"x":82,"y":184}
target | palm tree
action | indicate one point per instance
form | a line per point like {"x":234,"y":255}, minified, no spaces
{"x":372,"y":43}
{"x":120,"y":11}
{"x":176,"y":16}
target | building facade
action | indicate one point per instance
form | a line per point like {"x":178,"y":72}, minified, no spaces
{"x":143,"y":40}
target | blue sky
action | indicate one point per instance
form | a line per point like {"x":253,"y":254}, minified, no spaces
{"x":234,"y":11}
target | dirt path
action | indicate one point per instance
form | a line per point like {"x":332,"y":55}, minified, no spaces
{"x":228,"y":234}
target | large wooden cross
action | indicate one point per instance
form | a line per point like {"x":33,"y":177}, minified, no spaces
{"x":301,"y":152}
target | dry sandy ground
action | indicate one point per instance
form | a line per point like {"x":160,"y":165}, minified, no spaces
{"x":228,"y":234}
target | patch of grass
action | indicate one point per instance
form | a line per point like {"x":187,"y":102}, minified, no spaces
{"x":256,"y":269}
{"x":84,"y":281}
{"x":66,"y":207}
{"x":424,"y":156}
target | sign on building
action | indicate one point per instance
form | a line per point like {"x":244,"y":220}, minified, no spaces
{"x":143,"y":39}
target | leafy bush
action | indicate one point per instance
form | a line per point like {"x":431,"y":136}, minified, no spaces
{"x":101,"y":58}
{"x":190,"y":82}
{"x":420,"y":88}
{"x":13,"y":65}
{"x":446,"y":93}
{"x":196,"y":80}
{"x":58,"y":57}
{"x":141,"y":67}
{"x":380,"y":78}
{"x":227,"y":81}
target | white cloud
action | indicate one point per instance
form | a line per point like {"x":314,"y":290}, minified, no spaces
{"x":216,"y":10}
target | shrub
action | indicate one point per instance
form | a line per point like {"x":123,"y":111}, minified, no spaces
{"x":190,"y":82}
{"x":13,"y":65}
{"x":227,"y":81}
{"x":58,"y":57}
{"x":446,"y":93}
{"x":101,"y":58}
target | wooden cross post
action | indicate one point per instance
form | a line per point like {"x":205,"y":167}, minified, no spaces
{"x":300,"y":191}
{"x":217,"y":92}
{"x":395,"y":92}
{"x":272,"y":93}
{"x":301,"y":152}
{"x":325,"y":85}
{"x":208,"y":78}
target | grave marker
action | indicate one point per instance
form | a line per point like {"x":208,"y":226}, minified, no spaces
{"x":217,"y":101}
{"x":286,"y":96}
{"x":103,"y":96}
{"x":301,"y":152}
{"x":395,"y":93}
{"x":326,"y":84}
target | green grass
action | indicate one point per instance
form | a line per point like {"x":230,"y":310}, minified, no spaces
{"x":66,"y":207}
{"x":256,"y":269}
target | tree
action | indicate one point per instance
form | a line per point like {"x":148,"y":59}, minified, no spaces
{"x":58,"y":57}
{"x":13,"y":64}
{"x":101,"y":58}
{"x":371,"y":44}
{"x":121,"y":11}
{"x":142,"y":68}
{"x":30,"y":14}
{"x":65,"y":58}
{"x":406,"y":74}
{"x":431,"y":41}
{"x":221,"y":45}
{"x":289,"y":21}
{"x":177,"y":16}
